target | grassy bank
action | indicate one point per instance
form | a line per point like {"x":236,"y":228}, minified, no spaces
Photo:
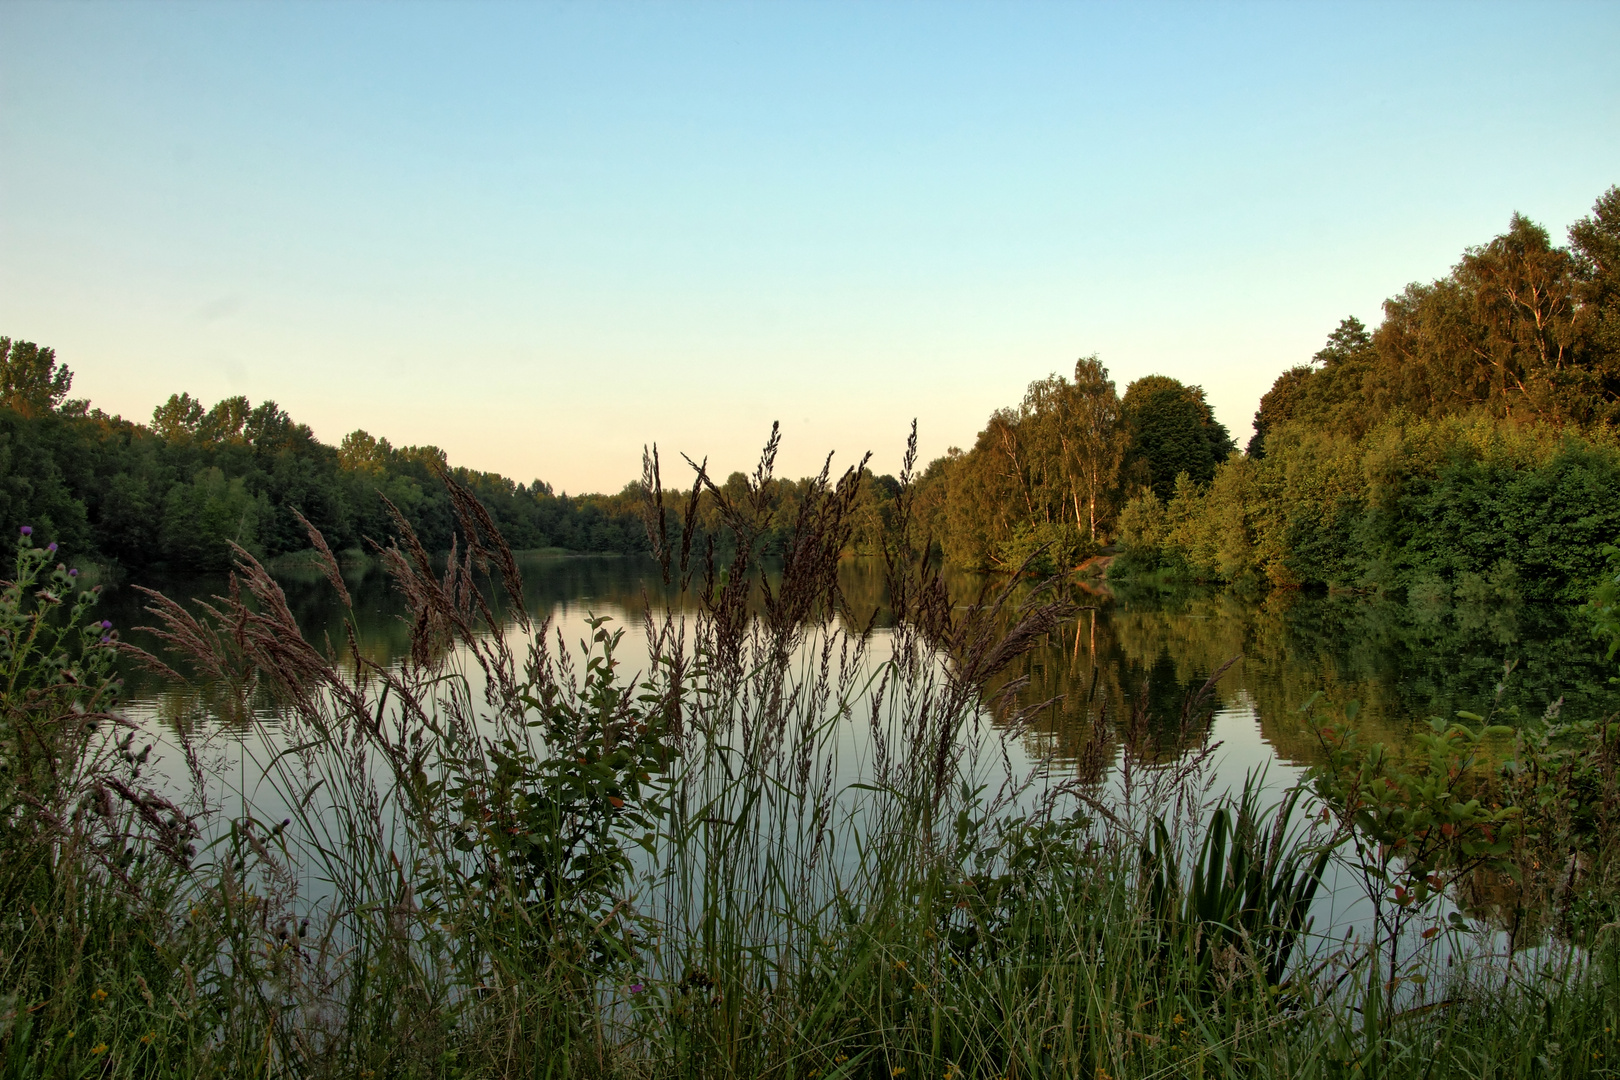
{"x":507,"y":857}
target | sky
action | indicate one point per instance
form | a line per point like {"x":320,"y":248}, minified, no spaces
{"x":542,"y":236}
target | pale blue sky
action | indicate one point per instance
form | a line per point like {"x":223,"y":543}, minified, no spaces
{"x":541,"y":235}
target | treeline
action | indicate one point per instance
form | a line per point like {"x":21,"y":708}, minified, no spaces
{"x":1468,"y":445}
{"x":177,"y":491}
{"x":1470,"y":439}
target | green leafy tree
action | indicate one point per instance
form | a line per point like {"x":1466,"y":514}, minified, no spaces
{"x":1043,"y":475}
{"x":32,"y":382}
{"x":227,"y":421}
{"x":1278,"y":405}
{"x":361,"y":452}
{"x":1595,"y":241}
{"x":1094,"y":444}
{"x":178,"y":418}
{"x":1172,"y":431}
{"x":203,"y":518}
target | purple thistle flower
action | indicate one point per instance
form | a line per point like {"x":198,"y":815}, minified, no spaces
{"x":73,"y":573}
{"x":106,"y":639}
{"x":27,"y":530}
{"x":106,"y":624}
{"x":51,"y":547}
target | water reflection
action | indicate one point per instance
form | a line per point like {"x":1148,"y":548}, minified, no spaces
{"x":1129,"y":654}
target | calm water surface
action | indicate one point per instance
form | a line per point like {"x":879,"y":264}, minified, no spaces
{"x":1132,"y":650}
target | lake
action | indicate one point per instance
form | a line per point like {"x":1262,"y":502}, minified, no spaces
{"x":1129,"y":651}
{"x":1130,"y":657}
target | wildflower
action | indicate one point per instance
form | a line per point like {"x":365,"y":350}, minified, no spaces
{"x":99,"y":995}
{"x":73,"y":572}
{"x":1178,"y":1019}
{"x":27,"y":530}
{"x":51,"y":547}
{"x":148,"y":1037}
{"x":897,"y":1070}
{"x":99,"y":1048}
{"x":106,"y":624}
{"x":636,"y":988}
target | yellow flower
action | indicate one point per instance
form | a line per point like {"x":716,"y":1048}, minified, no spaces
{"x":99,"y":1048}
{"x":148,"y":1037}
{"x":897,"y":1071}
{"x":1178,"y":1019}
{"x":99,"y":995}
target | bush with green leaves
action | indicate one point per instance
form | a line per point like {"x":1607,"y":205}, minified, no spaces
{"x":1455,"y":503}
{"x":551,"y":821}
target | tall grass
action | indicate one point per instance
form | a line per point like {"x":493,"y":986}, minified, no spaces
{"x":790,"y":845}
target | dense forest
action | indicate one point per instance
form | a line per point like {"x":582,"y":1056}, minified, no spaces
{"x":176,"y":491}
{"x":1469,"y":443}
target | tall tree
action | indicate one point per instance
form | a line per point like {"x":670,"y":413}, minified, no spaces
{"x":31,"y":381}
{"x":1524,"y":301}
{"x":1279,"y":405}
{"x":1595,"y":242}
{"x":1172,"y":430}
{"x":1095,"y":441}
{"x":178,"y":419}
{"x":1329,"y":391}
